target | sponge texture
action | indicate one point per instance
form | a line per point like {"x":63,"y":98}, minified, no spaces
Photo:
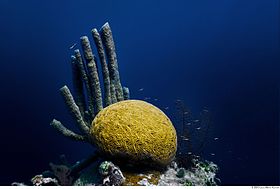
{"x":135,"y":130}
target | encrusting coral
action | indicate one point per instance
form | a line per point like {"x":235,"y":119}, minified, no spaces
{"x":130,"y":129}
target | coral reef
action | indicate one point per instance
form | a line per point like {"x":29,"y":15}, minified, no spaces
{"x":111,"y":174}
{"x":39,"y":180}
{"x":150,"y":178}
{"x":106,"y":173}
{"x":137,"y":131}
{"x":202,"y":174}
{"x":132,"y":130}
{"x":127,"y":133}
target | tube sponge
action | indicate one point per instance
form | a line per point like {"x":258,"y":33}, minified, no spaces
{"x":135,"y":130}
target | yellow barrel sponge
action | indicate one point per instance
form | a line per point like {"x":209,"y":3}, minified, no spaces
{"x":135,"y":130}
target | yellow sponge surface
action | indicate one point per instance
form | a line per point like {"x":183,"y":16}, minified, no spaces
{"x":136,"y":130}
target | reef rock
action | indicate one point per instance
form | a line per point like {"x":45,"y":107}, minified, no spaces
{"x":136,"y":131}
{"x":112,"y":175}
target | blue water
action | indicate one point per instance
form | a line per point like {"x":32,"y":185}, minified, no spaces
{"x":224,"y":55}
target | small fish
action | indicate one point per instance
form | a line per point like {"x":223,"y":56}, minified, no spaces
{"x":155,"y":99}
{"x":189,"y":153}
{"x":198,"y":128}
{"x":206,"y":110}
{"x":166,"y":108}
{"x":186,"y":113}
{"x":196,"y":120}
{"x":186,"y":139}
{"x":216,"y":138}
{"x":147,"y":98}
{"x":72,"y":46}
{"x":141,"y":89}
{"x":212,"y":154}
{"x":188,"y":123}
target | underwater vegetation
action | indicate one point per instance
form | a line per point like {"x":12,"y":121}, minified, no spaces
{"x":136,"y":143}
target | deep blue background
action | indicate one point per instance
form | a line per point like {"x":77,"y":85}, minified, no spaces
{"x":221,"y":54}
